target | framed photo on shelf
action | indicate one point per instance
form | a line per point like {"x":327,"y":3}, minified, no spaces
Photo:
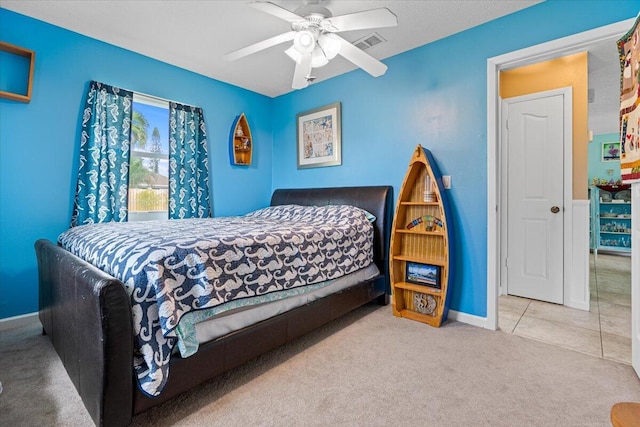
{"x":423,"y":274}
{"x":319,"y":137}
{"x":610,"y":151}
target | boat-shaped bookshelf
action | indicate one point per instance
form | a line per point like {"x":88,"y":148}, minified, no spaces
{"x":421,"y":244}
{"x":240,"y":142}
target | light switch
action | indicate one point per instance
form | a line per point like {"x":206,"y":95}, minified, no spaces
{"x":446,"y":181}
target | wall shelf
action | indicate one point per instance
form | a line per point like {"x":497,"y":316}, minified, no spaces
{"x":240,"y":142}
{"x":31,"y":57}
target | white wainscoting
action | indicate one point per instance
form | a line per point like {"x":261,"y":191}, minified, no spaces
{"x":576,"y":290}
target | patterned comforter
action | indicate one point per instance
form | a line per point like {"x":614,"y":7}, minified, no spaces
{"x":172,"y":267}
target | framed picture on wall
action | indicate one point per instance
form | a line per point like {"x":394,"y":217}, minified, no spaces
{"x":319,"y":137}
{"x":610,"y":151}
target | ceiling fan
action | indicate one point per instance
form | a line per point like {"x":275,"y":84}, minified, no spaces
{"x":315,"y":42}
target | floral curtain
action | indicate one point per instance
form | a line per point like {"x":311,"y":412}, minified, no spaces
{"x":103,"y":174}
{"x":188,"y":164}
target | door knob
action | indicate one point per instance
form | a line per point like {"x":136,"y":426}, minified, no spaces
{"x":555,"y":209}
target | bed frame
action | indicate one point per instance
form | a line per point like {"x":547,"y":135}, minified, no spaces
{"x":87,"y":315}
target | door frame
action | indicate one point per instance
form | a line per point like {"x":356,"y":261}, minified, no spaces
{"x":635,"y":277}
{"x":567,"y":209}
{"x":555,"y":48}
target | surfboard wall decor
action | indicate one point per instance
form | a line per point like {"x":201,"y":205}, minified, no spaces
{"x":422,"y":244}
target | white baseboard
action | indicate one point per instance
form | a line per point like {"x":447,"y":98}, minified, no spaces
{"x":17,"y":321}
{"x":470,"y":319}
{"x":31,"y":318}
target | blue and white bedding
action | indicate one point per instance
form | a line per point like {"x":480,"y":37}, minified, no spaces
{"x":173,"y":267}
{"x":201,"y":326}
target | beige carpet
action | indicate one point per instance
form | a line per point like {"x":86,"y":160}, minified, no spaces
{"x":366,"y":369}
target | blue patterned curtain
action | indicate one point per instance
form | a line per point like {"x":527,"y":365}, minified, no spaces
{"x":188,"y":164}
{"x":103,"y":174}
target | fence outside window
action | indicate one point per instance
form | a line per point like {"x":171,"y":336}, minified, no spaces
{"x":148,"y":199}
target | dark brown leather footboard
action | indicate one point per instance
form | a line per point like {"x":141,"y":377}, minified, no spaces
{"x":87,"y":315}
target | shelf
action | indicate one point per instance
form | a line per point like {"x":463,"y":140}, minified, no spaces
{"x":240,"y":142}
{"x":415,"y":251}
{"x":418,"y":288}
{"x":426,"y":233}
{"x":420,"y":203}
{"x":433,"y":261}
{"x":614,"y":188}
{"x":613,"y":214}
{"x":614,"y":248}
{"x":424,"y":318}
{"x":30,"y":57}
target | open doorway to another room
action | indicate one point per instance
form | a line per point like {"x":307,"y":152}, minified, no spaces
{"x":605,"y":329}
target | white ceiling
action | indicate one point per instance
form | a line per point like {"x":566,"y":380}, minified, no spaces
{"x":212,"y":28}
{"x":209,"y":29}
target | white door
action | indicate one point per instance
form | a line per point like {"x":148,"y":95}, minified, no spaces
{"x":635,"y":277}
{"x":533,"y":126}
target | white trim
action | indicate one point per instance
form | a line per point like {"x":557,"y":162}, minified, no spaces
{"x":493,"y":217}
{"x":552,"y":49}
{"x":17,"y":321}
{"x":635,"y":277}
{"x":154,"y":101}
{"x":576,"y":289}
{"x":468,"y":319}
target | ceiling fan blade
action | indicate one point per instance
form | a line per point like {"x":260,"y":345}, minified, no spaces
{"x":363,"y":60}
{"x":264,"y":44}
{"x":303,"y":69}
{"x":277,"y":11}
{"x":376,"y":18}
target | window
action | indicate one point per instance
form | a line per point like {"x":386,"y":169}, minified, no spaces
{"x":149,"y":159}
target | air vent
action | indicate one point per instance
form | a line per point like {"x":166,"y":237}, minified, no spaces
{"x":367,"y":42}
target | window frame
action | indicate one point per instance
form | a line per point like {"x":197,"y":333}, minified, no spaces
{"x":134,"y":216}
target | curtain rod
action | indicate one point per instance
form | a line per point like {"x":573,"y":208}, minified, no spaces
{"x":157,"y":98}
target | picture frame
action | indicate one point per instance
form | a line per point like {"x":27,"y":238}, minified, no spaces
{"x":611,"y":151}
{"x":423,"y":274}
{"x":319,"y":137}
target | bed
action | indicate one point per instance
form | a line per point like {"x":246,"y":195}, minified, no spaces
{"x":87,"y":314}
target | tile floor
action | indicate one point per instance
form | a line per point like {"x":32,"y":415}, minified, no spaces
{"x":604,"y":331}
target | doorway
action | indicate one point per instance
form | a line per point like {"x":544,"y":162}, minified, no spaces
{"x":567,"y":45}
{"x":553,"y":49}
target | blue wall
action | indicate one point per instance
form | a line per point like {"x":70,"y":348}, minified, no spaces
{"x":598,"y":168}
{"x":39,"y":141}
{"x":434,"y":95}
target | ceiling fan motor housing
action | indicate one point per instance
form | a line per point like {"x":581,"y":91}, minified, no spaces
{"x":313,"y":12}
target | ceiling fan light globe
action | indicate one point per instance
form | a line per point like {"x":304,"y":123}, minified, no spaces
{"x":304,"y":42}
{"x":330,"y":44}
{"x":318,"y":59}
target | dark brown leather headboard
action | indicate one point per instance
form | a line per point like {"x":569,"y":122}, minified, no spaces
{"x":377,"y":200}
